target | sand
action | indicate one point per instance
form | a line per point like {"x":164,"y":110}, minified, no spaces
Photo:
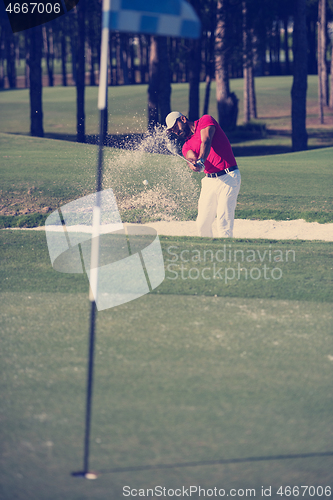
{"x":265,"y":229}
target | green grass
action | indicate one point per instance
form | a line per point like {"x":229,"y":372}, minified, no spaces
{"x":128,"y":112}
{"x":302,"y":270}
{"x":288,"y":186}
{"x":200,"y":369}
{"x":43,"y":174}
{"x":181,"y":376}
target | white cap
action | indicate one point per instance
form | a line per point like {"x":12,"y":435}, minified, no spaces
{"x":172,"y":118}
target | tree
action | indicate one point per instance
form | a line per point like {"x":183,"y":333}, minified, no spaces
{"x":209,"y":43}
{"x":227,"y":102}
{"x":322,"y":69}
{"x":10,"y":56}
{"x":250,"y":106}
{"x":159,"y":88}
{"x":194,"y":65}
{"x":63,"y":49}
{"x":299,"y":87}
{"x":80,"y":73}
{"x":194,"y":79}
{"x":330,"y":13}
{"x":35,"y":44}
{"x":94,"y":35}
{"x":153,"y":84}
{"x":49,"y":52}
{"x":331,"y":89}
{"x":164,"y":90}
{"x":286,"y":44}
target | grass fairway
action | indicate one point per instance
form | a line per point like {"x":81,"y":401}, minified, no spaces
{"x":128,"y":114}
{"x":181,"y":376}
{"x":44,"y":174}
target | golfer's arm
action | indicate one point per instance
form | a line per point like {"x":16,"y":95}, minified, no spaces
{"x":206,"y":135}
{"x":192,"y":158}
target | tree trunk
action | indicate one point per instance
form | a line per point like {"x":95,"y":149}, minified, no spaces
{"x":63,"y":59}
{"x":159,"y":88}
{"x":253,"y":98}
{"x":146,"y":57}
{"x":73,"y":51}
{"x":123,"y":57}
{"x":322,"y":70}
{"x":271,"y":52}
{"x":277,"y":48}
{"x":49,"y":53}
{"x":92,"y":53}
{"x":331,"y":79}
{"x":80,"y":73}
{"x":194,"y":79}
{"x":176,"y":59}
{"x":194,"y":67}
{"x":153,"y":84}
{"x":142,"y":59}
{"x":131,"y":61}
{"x":312,"y":46}
{"x":207,"y":95}
{"x":10,"y":56}
{"x":299,"y":87}
{"x":35,"y":38}
{"x":111,"y":44}
{"x":246,"y":64}
{"x":164,"y":87}
{"x":2,"y":69}
{"x":27,"y":55}
{"x":227,"y":103}
{"x":210,"y":62}
{"x":118,"y":58}
{"x":320,"y":63}
{"x":286,"y":46}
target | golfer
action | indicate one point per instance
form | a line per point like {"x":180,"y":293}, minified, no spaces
{"x":207,"y":149}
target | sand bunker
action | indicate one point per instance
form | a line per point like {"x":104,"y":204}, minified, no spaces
{"x":264,"y":229}
{"x":267,"y":229}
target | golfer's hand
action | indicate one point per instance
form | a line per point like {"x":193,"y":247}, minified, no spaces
{"x":191,"y":158}
{"x":193,"y":166}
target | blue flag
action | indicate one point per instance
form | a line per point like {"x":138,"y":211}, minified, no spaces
{"x":156,"y":17}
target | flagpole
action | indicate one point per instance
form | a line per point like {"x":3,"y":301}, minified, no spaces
{"x":188,"y":28}
{"x":94,"y":264}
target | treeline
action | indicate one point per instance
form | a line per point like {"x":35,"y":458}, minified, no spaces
{"x":240,"y":38}
{"x":270,"y":23}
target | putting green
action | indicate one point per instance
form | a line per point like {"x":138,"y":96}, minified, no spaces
{"x":179,"y":378}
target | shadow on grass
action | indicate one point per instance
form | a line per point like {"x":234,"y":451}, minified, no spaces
{"x":244,"y":143}
{"x":132,"y":141}
{"x":259,"y":150}
{"x":216,"y":462}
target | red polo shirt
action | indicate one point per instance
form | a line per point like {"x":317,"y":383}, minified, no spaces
{"x":221,"y":155}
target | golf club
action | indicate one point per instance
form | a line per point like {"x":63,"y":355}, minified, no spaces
{"x":182,"y":157}
{"x":188,"y":161}
{"x":179,"y":156}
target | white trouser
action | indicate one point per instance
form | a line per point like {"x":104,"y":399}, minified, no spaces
{"x":218,"y":197}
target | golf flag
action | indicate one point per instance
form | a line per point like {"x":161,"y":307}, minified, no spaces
{"x":155,"y":17}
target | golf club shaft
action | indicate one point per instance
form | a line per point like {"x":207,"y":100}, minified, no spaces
{"x":182,"y":157}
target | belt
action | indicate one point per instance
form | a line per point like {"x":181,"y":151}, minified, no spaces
{"x":222,"y":172}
